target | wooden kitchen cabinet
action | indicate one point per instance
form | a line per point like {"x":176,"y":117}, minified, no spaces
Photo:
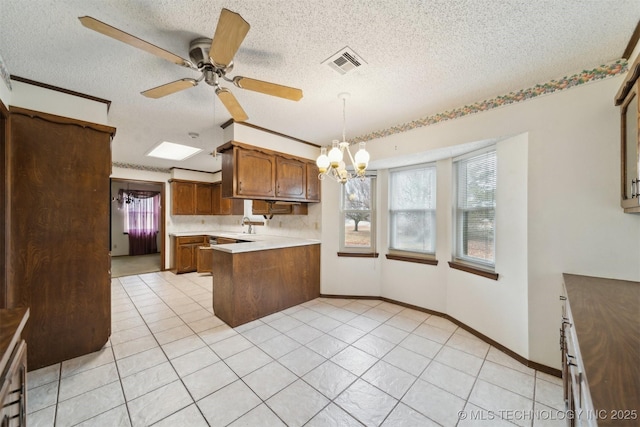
{"x":13,"y":368}
{"x":268,"y":208}
{"x":205,"y":259}
{"x":204,"y":198}
{"x":291,"y":179}
{"x":276,"y":280}
{"x":58,"y":231}
{"x":183,"y":197}
{"x":250,"y":172}
{"x":628,"y":100}
{"x":313,"y":183}
{"x":186,"y":252}
{"x":222,"y":206}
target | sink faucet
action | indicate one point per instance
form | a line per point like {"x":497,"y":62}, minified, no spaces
{"x":245,"y":221}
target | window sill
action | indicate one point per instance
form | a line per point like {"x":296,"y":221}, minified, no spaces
{"x":419,"y":260}
{"x":473,"y":270}
{"x":358,"y":254}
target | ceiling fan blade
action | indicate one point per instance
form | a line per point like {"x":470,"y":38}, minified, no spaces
{"x":230,"y":33}
{"x":169,"y":88}
{"x":268,"y":88}
{"x":117,"y":34}
{"x":231,"y":104}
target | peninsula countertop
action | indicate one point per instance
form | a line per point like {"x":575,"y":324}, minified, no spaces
{"x":251,"y":242}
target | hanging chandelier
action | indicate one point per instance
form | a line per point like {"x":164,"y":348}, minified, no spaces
{"x":332,"y":164}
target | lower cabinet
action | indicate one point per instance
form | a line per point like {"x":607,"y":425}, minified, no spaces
{"x":186,"y":252}
{"x":13,"y":368}
{"x":205,"y":259}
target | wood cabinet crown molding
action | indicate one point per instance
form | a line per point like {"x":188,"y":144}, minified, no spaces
{"x":62,"y":120}
{"x":632,"y":77}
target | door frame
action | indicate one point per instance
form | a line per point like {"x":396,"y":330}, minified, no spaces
{"x":161,"y":229}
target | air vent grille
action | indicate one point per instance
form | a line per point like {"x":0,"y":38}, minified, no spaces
{"x":344,"y":61}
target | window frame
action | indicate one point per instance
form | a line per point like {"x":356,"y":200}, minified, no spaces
{"x":459,"y":260}
{"x":359,"y":251}
{"x":403,"y":254}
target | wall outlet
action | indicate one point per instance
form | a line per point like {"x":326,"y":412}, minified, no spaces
{"x":115,"y":246}
{"x":202,"y":221}
{"x":316,"y":225}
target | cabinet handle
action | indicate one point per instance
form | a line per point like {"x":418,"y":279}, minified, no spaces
{"x":563,"y":298}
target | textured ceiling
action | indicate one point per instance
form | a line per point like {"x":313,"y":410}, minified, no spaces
{"x":422,"y":57}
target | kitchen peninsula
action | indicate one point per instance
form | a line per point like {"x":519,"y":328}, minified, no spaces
{"x":261,"y":275}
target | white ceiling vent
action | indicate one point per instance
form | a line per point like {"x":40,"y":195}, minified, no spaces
{"x":344,"y":60}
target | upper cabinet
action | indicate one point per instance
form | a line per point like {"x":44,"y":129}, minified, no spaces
{"x":627,"y":99}
{"x":201,"y":198}
{"x":183,"y":197}
{"x":313,"y":183}
{"x":291,"y":179}
{"x":223,"y":206}
{"x":204,"y":198}
{"x":250,"y":172}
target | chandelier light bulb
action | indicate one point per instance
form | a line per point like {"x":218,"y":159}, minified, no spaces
{"x":335,"y":154}
{"x":362,"y":158}
{"x":323,"y":160}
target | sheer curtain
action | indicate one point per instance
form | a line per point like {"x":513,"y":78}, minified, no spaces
{"x":143,"y":219}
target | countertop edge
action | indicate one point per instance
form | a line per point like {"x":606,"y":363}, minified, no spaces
{"x":606,"y":323}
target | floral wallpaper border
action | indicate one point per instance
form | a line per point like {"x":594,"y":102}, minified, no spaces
{"x":140,"y":167}
{"x":602,"y":72}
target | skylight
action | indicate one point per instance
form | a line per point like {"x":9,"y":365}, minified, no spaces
{"x":173,"y":151}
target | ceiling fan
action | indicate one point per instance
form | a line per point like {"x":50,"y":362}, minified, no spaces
{"x":212,"y":57}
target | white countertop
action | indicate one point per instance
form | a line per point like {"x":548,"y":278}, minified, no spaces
{"x":253,"y":242}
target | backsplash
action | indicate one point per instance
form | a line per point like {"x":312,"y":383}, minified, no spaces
{"x":298,"y":226}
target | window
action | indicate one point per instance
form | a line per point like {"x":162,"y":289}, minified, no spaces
{"x":412,"y":209}
{"x":475,"y":208}
{"x":358,"y":216}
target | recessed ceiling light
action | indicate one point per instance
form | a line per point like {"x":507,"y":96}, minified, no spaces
{"x":173,"y":151}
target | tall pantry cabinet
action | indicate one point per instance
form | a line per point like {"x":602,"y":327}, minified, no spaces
{"x":57,"y":183}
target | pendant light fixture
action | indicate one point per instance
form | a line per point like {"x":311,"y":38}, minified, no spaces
{"x":332,"y":164}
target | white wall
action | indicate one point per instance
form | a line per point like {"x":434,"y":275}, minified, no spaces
{"x":561,"y":156}
{"x":54,"y":102}
{"x":249,"y":135}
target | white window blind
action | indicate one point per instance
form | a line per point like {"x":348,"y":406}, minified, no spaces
{"x":412,"y":209}
{"x":475,"y":209}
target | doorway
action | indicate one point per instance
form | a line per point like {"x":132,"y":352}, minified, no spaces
{"x":133,"y":202}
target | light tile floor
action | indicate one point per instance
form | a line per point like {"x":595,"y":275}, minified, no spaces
{"x":327,"y":362}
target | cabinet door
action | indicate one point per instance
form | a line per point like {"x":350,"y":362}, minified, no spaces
{"x":183,"y":195}
{"x":218,"y":201}
{"x":185,"y":259}
{"x":205,"y":259}
{"x":204,"y":199}
{"x":255,"y":173}
{"x":291,"y":179}
{"x":263,"y":207}
{"x":224,"y":206}
{"x":313,"y":183}
{"x":259,"y":207}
